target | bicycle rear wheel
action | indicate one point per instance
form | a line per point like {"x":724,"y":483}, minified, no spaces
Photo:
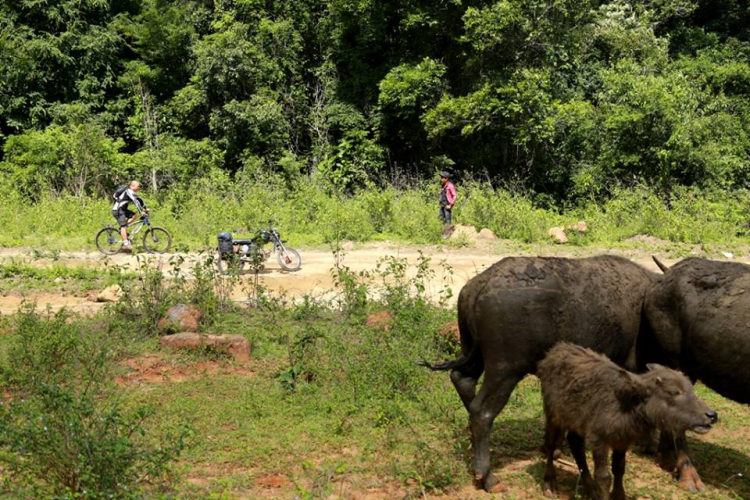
{"x":157,"y":240}
{"x":289,"y":259}
{"x":108,"y":241}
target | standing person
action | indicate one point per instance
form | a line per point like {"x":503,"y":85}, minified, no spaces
{"x":124,"y":196}
{"x":447,"y":200}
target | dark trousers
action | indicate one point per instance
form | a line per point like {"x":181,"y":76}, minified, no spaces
{"x":445,"y":215}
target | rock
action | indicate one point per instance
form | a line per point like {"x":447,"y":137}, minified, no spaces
{"x":449,"y":332}
{"x":186,"y":340}
{"x":59,"y":279}
{"x":380,"y":321}
{"x":487,"y":234}
{"x":579,"y":226}
{"x":109,"y":294}
{"x":181,"y":318}
{"x":469,"y":232}
{"x":558,"y":234}
{"x":235,"y":345}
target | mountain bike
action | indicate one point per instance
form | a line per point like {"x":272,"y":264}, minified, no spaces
{"x":155,"y":239}
{"x":235,"y":253}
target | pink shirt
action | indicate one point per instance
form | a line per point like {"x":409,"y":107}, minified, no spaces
{"x":450,"y":192}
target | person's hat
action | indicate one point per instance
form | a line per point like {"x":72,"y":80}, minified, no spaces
{"x":445,"y":174}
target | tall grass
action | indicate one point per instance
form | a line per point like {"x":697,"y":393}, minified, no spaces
{"x":308,"y":215}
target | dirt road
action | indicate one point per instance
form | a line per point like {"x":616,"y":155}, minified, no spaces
{"x":452,"y":267}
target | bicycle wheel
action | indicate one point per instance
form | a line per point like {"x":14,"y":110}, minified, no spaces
{"x":157,"y":240}
{"x":289,"y":259}
{"x":108,"y":241}
{"x":230,"y":265}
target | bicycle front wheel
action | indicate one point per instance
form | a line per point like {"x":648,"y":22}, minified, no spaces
{"x":157,"y":240}
{"x":289,"y":259}
{"x":108,"y":241}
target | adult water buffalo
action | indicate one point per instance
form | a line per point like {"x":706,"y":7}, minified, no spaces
{"x":510,"y":315}
{"x":699,"y":315}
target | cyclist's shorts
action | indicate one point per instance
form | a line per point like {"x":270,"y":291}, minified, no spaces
{"x":122,"y":216}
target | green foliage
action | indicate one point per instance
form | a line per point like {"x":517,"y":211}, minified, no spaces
{"x":570,"y":99}
{"x":147,"y":298}
{"x":65,"y":432}
{"x":76,"y":159}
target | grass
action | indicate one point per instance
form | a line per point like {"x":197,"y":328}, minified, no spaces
{"x":331,"y":406}
{"x":308,"y":216}
{"x":19,"y":276}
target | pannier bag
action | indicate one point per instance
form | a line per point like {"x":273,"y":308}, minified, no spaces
{"x":225,"y":244}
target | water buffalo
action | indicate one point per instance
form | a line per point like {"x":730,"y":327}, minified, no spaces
{"x":609,"y":408}
{"x":699,"y":316}
{"x":511,"y":314}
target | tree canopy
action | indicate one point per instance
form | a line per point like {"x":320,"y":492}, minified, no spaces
{"x":569,"y":98}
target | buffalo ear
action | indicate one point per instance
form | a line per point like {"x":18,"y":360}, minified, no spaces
{"x":630,"y":390}
{"x":653,"y":366}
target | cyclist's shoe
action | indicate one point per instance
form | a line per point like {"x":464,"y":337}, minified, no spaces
{"x":127,"y":244}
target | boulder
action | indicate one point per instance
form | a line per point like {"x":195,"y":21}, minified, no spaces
{"x":469,"y":232}
{"x":558,"y":234}
{"x":181,"y":318}
{"x":109,"y":294}
{"x":380,"y":321}
{"x":235,"y":345}
{"x":579,"y":226}
{"x":450,"y":332}
{"x":487,"y":234}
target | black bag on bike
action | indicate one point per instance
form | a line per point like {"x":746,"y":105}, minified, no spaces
{"x":225,"y":244}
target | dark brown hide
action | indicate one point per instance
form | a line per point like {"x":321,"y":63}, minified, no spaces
{"x":609,"y":408}
{"x":699,"y":317}
{"x":510,"y":315}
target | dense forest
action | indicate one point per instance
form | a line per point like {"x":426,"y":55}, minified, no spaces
{"x":565,"y":98}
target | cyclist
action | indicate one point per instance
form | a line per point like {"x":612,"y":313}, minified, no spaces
{"x":122,"y":212}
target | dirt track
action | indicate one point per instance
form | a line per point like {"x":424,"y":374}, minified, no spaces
{"x":314,"y":277}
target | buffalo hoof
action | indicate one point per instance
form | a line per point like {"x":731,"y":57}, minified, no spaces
{"x":491,"y":483}
{"x":689,"y":479}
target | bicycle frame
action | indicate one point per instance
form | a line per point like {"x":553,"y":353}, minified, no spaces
{"x":140,"y":222}
{"x":143,"y":222}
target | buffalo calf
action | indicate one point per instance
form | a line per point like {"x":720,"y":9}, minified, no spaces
{"x":601,"y":404}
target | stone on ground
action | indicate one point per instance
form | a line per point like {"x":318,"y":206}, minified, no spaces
{"x":235,"y":345}
{"x":181,"y":318}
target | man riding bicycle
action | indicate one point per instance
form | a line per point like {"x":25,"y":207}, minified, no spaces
{"x":122,"y":212}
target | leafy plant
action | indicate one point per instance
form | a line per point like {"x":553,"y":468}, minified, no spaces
{"x":65,"y":431}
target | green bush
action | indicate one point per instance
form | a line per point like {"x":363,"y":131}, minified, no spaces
{"x":64,"y":431}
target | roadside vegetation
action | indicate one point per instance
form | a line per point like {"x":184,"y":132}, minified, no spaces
{"x":332,"y":402}
{"x":311,"y":216}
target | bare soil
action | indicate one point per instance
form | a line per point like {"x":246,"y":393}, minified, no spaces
{"x":452,"y":265}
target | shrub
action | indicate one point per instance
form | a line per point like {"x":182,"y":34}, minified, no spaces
{"x":65,"y":430}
